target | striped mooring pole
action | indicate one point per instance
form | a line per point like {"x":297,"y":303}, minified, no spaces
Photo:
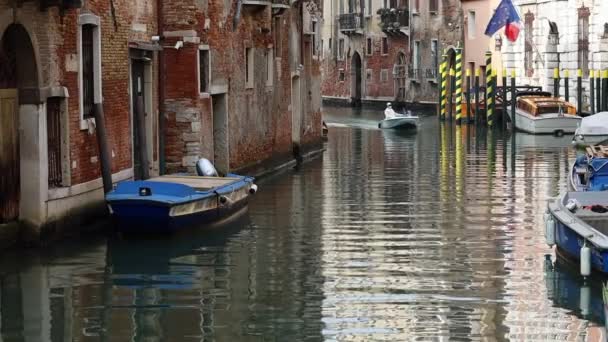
{"x":513,"y":100}
{"x":477,"y":116}
{"x":505,"y":88}
{"x":567,"y":85}
{"x":489,"y":90}
{"x":451,"y":95}
{"x":556,"y":82}
{"x":444,"y":82}
{"x":605,"y":90}
{"x":592,"y":90}
{"x":598,"y":90}
{"x":467,"y":93}
{"x":458,"y":85}
{"x":579,"y":91}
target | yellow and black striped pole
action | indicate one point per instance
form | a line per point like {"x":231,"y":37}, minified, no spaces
{"x":444,"y":82}
{"x":567,"y":85}
{"x":489,"y":90}
{"x":592,"y":90}
{"x":458,"y":85}
{"x":556,"y":82}
{"x":579,"y":91}
{"x":605,"y":90}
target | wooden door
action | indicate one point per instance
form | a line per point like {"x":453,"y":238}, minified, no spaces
{"x":9,"y":156}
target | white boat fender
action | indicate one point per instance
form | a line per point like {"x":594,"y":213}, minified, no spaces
{"x":253,"y":189}
{"x":585,"y":258}
{"x":572,"y":205}
{"x":550,"y":231}
{"x":204,"y":168}
{"x":584,"y":299}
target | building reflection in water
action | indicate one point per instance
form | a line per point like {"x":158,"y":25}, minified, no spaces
{"x":389,"y":236}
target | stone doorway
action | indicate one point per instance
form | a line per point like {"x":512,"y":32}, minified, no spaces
{"x":356,"y":77}
{"x":19,"y":110}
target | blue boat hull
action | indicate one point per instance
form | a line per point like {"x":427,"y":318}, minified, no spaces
{"x":570,"y":243}
{"x":145,"y":218}
{"x":159,"y":207}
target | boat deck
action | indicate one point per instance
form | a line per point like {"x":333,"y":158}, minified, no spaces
{"x":597,"y":151}
{"x":196,"y":182}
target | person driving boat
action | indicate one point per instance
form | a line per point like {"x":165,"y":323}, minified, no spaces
{"x":389,"y":113}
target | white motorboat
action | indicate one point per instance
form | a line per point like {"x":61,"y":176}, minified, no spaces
{"x":400,"y":121}
{"x":592,"y":131}
{"x":542,"y":114}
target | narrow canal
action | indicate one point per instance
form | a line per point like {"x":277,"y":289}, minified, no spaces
{"x":432,"y":236}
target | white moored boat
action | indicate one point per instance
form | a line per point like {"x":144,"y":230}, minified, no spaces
{"x":542,"y":114}
{"x":592,"y":131}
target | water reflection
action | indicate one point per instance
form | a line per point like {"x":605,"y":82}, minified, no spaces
{"x":578,"y":296}
{"x":431,"y":236}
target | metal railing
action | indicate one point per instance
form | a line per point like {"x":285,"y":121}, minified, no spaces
{"x":53,"y":125}
{"x":394,"y":18}
{"x":350,"y":22}
{"x":414,"y":74}
{"x":431,"y":74}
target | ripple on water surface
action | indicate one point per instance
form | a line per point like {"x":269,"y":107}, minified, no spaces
{"x":432,"y":236}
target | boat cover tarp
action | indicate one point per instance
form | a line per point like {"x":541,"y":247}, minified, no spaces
{"x":596,"y":124}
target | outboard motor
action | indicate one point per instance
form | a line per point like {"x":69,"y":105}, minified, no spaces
{"x":205,"y":168}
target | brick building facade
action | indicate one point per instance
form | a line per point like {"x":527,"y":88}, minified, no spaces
{"x":386,"y":50}
{"x":235,"y":85}
{"x":231,"y":82}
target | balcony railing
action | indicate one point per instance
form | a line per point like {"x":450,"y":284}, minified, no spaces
{"x":280,"y":4}
{"x":394,"y":19}
{"x":431,"y":74}
{"x":415,"y":74}
{"x":350,"y":22}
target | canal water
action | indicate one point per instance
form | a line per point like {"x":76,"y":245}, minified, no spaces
{"x":433,"y":236}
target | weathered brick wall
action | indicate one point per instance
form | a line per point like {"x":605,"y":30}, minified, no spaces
{"x":444,"y":26}
{"x":259,"y":118}
{"x":373,"y":88}
{"x":55,"y":40}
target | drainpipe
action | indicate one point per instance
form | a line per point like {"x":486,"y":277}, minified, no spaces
{"x":105,"y":162}
{"x":161,"y":91}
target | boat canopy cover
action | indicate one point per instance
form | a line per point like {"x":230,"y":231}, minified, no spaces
{"x":596,"y":124}
{"x":600,"y":166}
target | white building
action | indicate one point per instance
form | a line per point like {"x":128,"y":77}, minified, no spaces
{"x":564,"y":34}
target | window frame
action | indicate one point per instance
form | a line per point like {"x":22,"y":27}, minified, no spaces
{"x":583,"y":39}
{"x":95,"y":22}
{"x":383,"y":75}
{"x":269,"y":67}
{"x":203,"y":49}
{"x":341,"y":48}
{"x":384,"y":46}
{"x":369,"y":46}
{"x":471,"y":27}
{"x":431,"y":9}
{"x":249,"y":56}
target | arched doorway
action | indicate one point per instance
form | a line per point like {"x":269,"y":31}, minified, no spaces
{"x":356,"y":79}
{"x":18,"y":87}
{"x":400,"y":75}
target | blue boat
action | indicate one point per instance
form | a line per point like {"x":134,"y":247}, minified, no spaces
{"x":577,"y":223}
{"x":590,"y":171}
{"x":170,"y":203}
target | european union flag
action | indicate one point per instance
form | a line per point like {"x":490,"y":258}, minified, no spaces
{"x":505,"y":15}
